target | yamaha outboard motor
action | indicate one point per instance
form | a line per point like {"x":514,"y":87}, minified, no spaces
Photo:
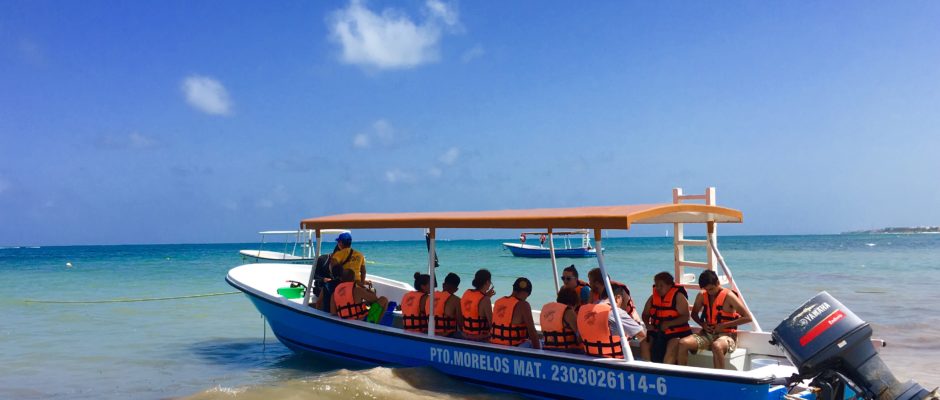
{"x":830,"y":344}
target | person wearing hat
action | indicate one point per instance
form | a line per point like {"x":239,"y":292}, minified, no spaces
{"x":512,"y":318}
{"x":349,"y":259}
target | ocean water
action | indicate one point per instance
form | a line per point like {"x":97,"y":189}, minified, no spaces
{"x":217,"y":347}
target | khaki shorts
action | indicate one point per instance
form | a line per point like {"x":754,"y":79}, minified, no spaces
{"x":705,"y":340}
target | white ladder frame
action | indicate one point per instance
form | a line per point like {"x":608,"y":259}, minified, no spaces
{"x":713,"y":257}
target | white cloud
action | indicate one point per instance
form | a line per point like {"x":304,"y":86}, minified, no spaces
{"x":361,"y":141}
{"x":137,"y":141}
{"x":278,"y":195}
{"x":446,"y":13}
{"x":390,"y":40}
{"x":207,"y":95}
{"x":450,"y":156}
{"x":472,"y":54}
{"x":382,"y":132}
{"x":398,"y":176}
{"x":132,"y":141}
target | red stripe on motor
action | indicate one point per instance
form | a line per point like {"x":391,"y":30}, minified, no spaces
{"x":821,"y":327}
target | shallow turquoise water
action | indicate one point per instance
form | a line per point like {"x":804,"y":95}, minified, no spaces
{"x":214,"y":345}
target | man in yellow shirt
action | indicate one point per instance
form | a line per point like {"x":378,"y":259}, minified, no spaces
{"x":348,"y":258}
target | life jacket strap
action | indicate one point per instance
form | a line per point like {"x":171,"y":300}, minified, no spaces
{"x":598,"y":348}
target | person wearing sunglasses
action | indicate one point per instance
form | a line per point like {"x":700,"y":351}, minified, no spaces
{"x":569,"y":276}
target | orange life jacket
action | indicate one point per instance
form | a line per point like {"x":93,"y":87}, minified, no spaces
{"x":579,"y":289}
{"x":595,"y":331}
{"x":558,"y":335}
{"x":443,"y":325}
{"x":663,"y":308}
{"x":595,"y":297}
{"x":504,"y":331}
{"x":412,"y":319}
{"x":715,"y":314}
{"x":346,"y":305}
{"x":473,"y":323}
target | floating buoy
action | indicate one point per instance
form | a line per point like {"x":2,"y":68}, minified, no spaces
{"x":68,"y":265}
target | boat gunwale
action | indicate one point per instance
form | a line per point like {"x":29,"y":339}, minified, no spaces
{"x":721,"y":375}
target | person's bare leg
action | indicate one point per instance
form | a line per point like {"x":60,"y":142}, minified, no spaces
{"x":645,"y":352}
{"x":686,"y":345}
{"x":672,"y":351}
{"x":719,"y":349}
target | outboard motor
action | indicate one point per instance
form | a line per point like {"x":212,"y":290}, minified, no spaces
{"x":830,"y":344}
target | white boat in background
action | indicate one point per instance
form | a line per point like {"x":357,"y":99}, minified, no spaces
{"x":584,"y":250}
{"x":298,"y":247}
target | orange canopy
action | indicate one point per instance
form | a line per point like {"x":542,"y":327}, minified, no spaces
{"x":602,"y":217}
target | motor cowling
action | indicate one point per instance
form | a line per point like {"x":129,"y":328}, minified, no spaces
{"x":827,"y":342}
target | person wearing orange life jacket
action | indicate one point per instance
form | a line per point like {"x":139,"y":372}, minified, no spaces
{"x":447,"y":315}
{"x":721,"y":313}
{"x":598,"y":289}
{"x":667,"y":313}
{"x":512,"y":318}
{"x":559,"y":323}
{"x":569,"y":277}
{"x":414,"y":313}
{"x":351,"y":301}
{"x":597,"y":325}
{"x":476,"y":308}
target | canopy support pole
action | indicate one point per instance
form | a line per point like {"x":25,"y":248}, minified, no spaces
{"x":624,"y":340}
{"x":551,"y":251}
{"x":261,"y":248}
{"x":319,"y":244}
{"x":734,"y":285}
{"x":293,"y":250}
{"x":431,"y":250}
{"x":313,"y":271}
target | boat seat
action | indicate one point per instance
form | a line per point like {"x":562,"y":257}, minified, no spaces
{"x":734,"y":361}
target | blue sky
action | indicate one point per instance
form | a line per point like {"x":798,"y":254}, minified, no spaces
{"x":172,"y":122}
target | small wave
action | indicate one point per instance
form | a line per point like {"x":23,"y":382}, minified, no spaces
{"x":870,"y":244}
{"x":375,"y":383}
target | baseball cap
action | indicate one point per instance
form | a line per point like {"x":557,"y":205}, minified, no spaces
{"x":344,"y":237}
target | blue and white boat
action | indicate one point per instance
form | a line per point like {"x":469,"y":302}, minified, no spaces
{"x":522,"y":249}
{"x":756,"y":370}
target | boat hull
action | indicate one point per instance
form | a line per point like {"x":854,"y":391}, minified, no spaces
{"x":541,"y":252}
{"x":532,"y":372}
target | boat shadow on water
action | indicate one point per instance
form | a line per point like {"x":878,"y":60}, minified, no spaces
{"x":252,"y":353}
{"x":326,"y":377}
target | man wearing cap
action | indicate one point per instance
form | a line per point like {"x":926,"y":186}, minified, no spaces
{"x":512,"y":318}
{"x":349,"y":258}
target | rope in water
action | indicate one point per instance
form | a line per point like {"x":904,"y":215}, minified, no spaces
{"x":193,"y":296}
